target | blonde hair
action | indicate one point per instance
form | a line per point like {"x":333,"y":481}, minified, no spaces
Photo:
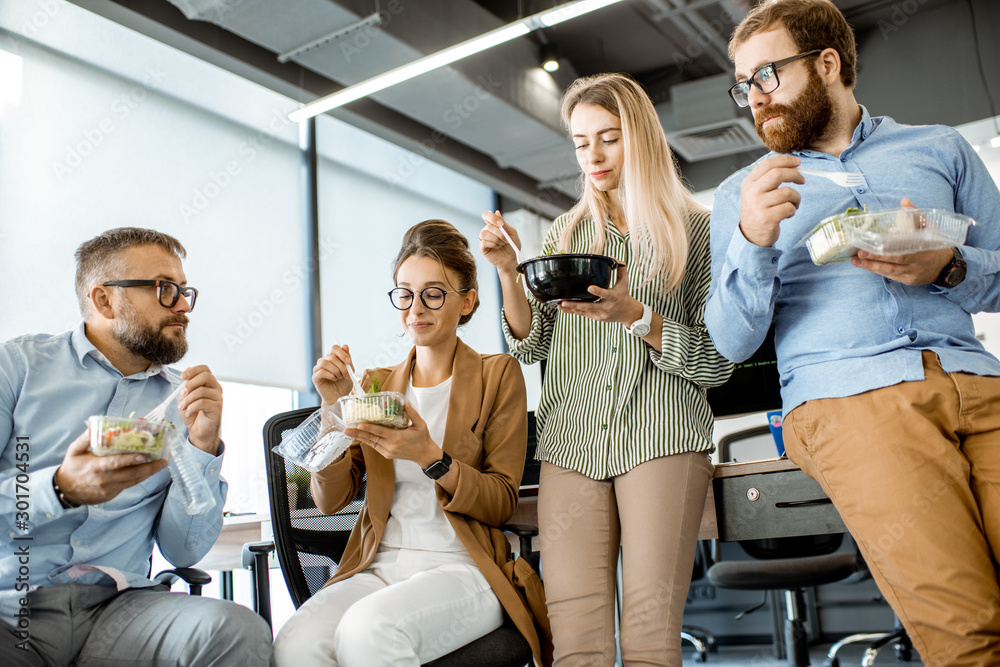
{"x":655,"y":201}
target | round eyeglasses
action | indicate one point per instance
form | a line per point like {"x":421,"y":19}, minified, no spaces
{"x":432,"y":297}
{"x":764,"y":79}
{"x":167,"y":291}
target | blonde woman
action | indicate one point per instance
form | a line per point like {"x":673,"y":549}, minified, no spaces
{"x":625,"y":429}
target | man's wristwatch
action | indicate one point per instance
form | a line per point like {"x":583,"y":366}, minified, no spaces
{"x":953,"y":272}
{"x":438,"y":469}
{"x":640,"y":327}
{"x":66,"y":503}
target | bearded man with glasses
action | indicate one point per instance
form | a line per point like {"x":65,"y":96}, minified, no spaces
{"x":74,"y":578}
{"x":891,"y":403}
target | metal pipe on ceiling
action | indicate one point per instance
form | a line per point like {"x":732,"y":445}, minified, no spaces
{"x":696,"y":29}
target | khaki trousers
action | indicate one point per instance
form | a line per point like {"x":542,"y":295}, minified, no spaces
{"x":914,"y":470}
{"x":652,"y":513}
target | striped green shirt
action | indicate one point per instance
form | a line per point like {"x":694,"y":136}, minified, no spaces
{"x":610,"y":401}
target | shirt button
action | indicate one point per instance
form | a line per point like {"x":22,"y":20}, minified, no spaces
{"x":861,"y":191}
{"x":900,"y":329}
{"x":843,"y":159}
{"x":604,"y":427}
{"x":48,"y":515}
{"x":212,"y":470}
{"x":78,"y":543}
{"x":774,"y":260}
{"x":613,"y":350}
{"x":609,"y":387}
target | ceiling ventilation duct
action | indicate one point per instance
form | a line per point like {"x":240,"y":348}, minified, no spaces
{"x":706,"y":123}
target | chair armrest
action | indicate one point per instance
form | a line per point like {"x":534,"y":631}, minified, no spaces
{"x":192,"y":576}
{"x":254,"y":558}
{"x":525,"y":533}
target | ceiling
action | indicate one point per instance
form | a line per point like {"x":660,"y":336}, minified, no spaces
{"x":493,"y":116}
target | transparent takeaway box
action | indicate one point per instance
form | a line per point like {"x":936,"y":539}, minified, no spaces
{"x":384,"y":408}
{"x":895,"y":232}
{"x":120,"y":435}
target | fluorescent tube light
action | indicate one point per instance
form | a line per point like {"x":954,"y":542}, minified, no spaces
{"x":447,"y":56}
{"x":570,"y":10}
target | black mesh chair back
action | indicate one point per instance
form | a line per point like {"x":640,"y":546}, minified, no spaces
{"x":310,"y":544}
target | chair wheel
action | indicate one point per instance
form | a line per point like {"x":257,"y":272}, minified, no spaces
{"x":700,"y":657}
{"x":831,"y":662}
{"x":904,"y":653}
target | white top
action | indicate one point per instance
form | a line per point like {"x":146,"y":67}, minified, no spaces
{"x":416,"y":520}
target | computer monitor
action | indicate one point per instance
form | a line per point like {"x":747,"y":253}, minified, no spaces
{"x":753,"y":387}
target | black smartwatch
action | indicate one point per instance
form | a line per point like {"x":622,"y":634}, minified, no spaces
{"x":953,"y":272}
{"x":438,"y":469}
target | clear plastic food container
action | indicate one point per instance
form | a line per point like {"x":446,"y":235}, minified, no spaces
{"x":317,"y":441}
{"x":896,"y":232}
{"x":118,"y":435}
{"x":384,"y":408}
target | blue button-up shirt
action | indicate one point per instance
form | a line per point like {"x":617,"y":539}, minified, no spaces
{"x":49,"y":385}
{"x":841,"y":330}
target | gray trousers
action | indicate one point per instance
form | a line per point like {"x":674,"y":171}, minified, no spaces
{"x":91,"y":626}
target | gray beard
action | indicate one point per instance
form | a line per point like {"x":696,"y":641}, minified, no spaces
{"x":147,"y":342}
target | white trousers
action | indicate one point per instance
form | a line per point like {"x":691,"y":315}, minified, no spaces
{"x":407,"y":608}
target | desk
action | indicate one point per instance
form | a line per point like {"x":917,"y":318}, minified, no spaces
{"x":784,"y":503}
{"x":749,"y":500}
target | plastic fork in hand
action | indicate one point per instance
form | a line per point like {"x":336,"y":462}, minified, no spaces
{"x":160,"y":411}
{"x":847,"y":179}
{"x":355,"y":380}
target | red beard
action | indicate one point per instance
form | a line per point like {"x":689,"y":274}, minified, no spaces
{"x":799,"y":124}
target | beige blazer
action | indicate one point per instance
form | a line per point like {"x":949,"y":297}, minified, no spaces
{"x":486,"y":437}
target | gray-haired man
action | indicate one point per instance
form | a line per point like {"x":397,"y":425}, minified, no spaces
{"x":74,"y":573}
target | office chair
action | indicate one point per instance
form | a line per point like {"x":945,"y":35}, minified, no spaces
{"x":787,"y":564}
{"x":898,"y":638}
{"x":309,"y":544}
{"x":699,"y":637}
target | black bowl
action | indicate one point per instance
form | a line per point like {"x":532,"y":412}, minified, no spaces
{"x":566,"y":277}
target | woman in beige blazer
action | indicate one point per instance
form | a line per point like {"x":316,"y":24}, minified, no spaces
{"x":427,"y":568}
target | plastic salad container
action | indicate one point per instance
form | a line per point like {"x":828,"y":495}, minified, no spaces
{"x":316,"y":442}
{"x":384,"y":408}
{"x":895,"y":232}
{"x":118,"y":435}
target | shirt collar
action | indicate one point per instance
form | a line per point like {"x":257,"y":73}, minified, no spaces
{"x":864,"y":128}
{"x":83,"y":348}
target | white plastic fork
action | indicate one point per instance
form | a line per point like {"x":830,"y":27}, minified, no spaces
{"x":847,"y":179}
{"x":358,"y":389}
{"x":160,"y":411}
{"x":517,"y":253}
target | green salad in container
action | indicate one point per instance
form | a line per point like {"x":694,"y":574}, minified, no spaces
{"x":119,"y":435}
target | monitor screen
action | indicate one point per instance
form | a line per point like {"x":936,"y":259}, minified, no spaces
{"x":753,"y":386}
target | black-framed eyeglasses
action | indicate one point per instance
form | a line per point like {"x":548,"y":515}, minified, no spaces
{"x":764,"y":79}
{"x":167,"y":291}
{"x":432,"y":297}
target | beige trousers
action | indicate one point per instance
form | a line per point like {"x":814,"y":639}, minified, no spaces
{"x":652,"y":513}
{"x":914,"y":470}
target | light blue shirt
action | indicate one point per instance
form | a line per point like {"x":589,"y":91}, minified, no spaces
{"x":841,"y":330}
{"x":50,"y":384}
